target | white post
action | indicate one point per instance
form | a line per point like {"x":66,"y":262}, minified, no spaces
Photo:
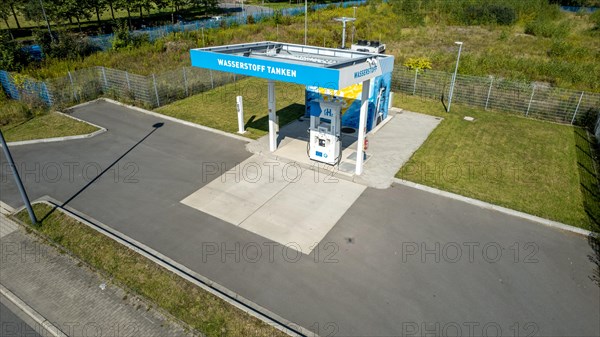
{"x":577,"y":109}
{"x":272,"y":117}
{"x":460,"y":44}
{"x":155,"y":90}
{"x":72,"y":86}
{"x":530,"y":100}
{"x":305,"y":21}
{"x":344,"y":34}
{"x":415,"y":83}
{"x":240,"y":114}
{"x":362,"y":126}
{"x":187,"y":91}
{"x":104,"y":76}
{"x":489,"y":92}
{"x":391,"y":101}
{"x":127,"y":78}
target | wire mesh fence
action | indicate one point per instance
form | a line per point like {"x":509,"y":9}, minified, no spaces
{"x":90,"y":83}
{"x":534,"y":100}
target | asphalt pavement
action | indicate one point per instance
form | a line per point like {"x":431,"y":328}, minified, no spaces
{"x":12,"y":323}
{"x":400,"y":262}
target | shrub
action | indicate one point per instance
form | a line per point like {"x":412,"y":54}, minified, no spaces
{"x":546,"y":28}
{"x":15,"y":112}
{"x":559,"y":48}
{"x":250,"y":20}
{"x":71,"y":46}
{"x":490,"y":14}
{"x":124,"y":39}
{"x":595,"y":19}
{"x":420,"y":63}
{"x":12,"y":56}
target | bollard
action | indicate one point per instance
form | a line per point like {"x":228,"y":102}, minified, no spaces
{"x":240,"y":114}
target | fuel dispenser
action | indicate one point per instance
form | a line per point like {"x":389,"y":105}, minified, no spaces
{"x":324,"y":144}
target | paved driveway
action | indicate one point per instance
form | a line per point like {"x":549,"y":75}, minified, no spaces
{"x":399,"y":262}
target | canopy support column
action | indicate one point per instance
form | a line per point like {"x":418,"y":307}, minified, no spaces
{"x":272,"y":117}
{"x":362,"y":126}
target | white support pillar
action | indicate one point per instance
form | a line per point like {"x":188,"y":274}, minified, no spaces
{"x":362,"y":126}
{"x":272,"y":117}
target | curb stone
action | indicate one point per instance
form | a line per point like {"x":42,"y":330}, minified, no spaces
{"x":29,"y":311}
{"x":177,"y":120}
{"x":61,"y":139}
{"x":486,"y":205}
{"x":206,"y":284}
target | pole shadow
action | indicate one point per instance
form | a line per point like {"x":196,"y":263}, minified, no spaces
{"x":155,"y":127}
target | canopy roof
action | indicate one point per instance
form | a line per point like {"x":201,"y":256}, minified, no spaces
{"x":308,"y":65}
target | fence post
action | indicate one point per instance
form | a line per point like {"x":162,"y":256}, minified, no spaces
{"x":127,"y":78}
{"x":104,"y":76}
{"x":48,"y":95}
{"x":577,"y":108}
{"x":155,"y":90}
{"x":212,"y":82}
{"x":187,"y":93}
{"x":233,"y":77}
{"x":530,"y":100}
{"x":489,"y":92}
{"x":72,"y":86}
{"x":415,"y":83}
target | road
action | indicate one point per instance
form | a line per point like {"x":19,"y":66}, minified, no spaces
{"x":400,"y":262}
{"x":11,"y":324}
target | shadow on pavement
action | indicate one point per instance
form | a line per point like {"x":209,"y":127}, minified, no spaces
{"x":286,"y":115}
{"x":589,"y":164}
{"x":155,"y":127}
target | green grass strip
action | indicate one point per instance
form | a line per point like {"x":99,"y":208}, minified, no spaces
{"x":184,"y":300}
{"x":537,"y":167}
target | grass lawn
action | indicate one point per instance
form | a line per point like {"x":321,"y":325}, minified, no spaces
{"x":19,"y":122}
{"x":217,"y":108}
{"x":524,"y":164}
{"x":184,"y":300}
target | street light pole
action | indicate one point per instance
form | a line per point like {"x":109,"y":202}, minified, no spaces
{"x":460,"y":44}
{"x":344,"y":20}
{"x":305,"y":22}
{"x":15,"y":172}
{"x":353,"y":27}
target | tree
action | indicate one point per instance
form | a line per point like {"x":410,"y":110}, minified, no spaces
{"x":99,"y":6}
{"x":207,"y":5}
{"x":12,"y":56}
{"x":12,"y":4}
{"x":111,"y":5}
{"x":32,"y":11}
{"x":5,"y":13}
{"x":126,"y":5}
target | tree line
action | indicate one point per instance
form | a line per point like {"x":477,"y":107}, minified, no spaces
{"x":61,"y":11}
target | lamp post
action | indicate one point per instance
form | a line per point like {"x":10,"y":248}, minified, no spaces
{"x":460,"y":44}
{"x":305,"y":21}
{"x":15,"y":172}
{"x":344,"y":20}
{"x":353,"y":28}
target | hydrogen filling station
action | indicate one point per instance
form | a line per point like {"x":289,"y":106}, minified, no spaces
{"x":345,"y":89}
